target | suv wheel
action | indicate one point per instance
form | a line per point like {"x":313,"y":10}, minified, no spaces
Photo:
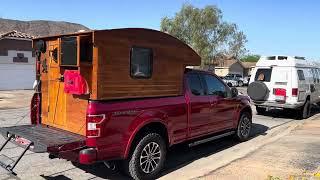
{"x":305,"y":111}
{"x":244,"y":127}
{"x":260,"y":110}
{"x":240,"y":83}
{"x":148,"y":157}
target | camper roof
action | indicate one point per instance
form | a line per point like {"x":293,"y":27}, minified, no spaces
{"x":280,"y":60}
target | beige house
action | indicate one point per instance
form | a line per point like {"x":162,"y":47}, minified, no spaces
{"x":249,"y":66}
{"x":230,"y":65}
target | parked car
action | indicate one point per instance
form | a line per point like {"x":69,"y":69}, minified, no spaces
{"x":236,"y":77}
{"x":246,"y":80}
{"x":230,"y":81}
{"x":91,"y":106}
{"x":286,"y":82}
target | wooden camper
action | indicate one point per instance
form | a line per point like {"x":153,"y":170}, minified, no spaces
{"x":116,"y":64}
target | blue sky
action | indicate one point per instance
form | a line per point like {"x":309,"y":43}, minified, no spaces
{"x":288,"y":27}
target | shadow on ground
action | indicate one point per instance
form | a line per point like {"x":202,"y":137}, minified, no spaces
{"x":292,"y":114}
{"x":178,"y":156}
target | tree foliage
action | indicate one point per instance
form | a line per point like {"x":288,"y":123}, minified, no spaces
{"x":250,"y":58}
{"x":206,"y":32}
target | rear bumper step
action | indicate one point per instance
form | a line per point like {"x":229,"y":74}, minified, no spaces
{"x":38,"y":138}
{"x":44,"y":138}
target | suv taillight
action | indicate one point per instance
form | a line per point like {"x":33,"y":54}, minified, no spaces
{"x":280,"y":94}
{"x":94,"y":125}
{"x":295,"y":92}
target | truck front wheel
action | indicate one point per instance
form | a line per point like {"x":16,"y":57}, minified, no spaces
{"x":244,"y":127}
{"x":148,"y":157}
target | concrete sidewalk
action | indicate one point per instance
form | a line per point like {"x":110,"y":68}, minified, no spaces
{"x":292,"y":156}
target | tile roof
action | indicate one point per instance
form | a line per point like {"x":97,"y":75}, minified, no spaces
{"x":15,"y":34}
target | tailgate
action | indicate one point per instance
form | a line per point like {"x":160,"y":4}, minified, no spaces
{"x":43,"y":137}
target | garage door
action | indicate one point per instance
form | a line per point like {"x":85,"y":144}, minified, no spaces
{"x":16,"y":76}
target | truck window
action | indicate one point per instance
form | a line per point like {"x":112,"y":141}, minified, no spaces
{"x":215,"y":86}
{"x":301,"y":75}
{"x":195,"y":85}
{"x":141,"y":62}
{"x":263,"y":75}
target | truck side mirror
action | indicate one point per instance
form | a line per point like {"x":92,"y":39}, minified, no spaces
{"x":234,"y":92}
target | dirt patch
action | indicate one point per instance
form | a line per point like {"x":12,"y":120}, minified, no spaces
{"x":293,"y":155}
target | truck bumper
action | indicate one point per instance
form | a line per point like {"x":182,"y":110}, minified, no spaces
{"x":277,"y":105}
{"x":57,"y":142}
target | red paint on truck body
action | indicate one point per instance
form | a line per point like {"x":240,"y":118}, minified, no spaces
{"x":185,"y":117}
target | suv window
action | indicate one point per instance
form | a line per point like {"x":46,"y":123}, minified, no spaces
{"x":215,"y":86}
{"x":263,"y":75}
{"x":301,"y":75}
{"x":195,"y":85}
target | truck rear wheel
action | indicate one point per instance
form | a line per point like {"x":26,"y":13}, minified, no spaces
{"x":305,"y":111}
{"x":148,"y":157}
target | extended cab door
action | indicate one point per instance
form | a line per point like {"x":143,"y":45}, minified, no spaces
{"x":223,"y":106}
{"x":199,"y":106}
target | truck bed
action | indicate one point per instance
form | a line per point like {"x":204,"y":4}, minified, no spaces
{"x":43,"y":137}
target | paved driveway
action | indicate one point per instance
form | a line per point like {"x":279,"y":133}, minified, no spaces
{"x":39,"y":166}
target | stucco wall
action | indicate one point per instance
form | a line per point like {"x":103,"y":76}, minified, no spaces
{"x":221,"y":71}
{"x":17,"y":75}
{"x":236,"y":68}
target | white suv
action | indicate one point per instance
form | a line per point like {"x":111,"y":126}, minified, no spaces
{"x":236,"y":77}
{"x":286,"y":82}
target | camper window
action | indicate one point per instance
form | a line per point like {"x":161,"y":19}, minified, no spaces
{"x":69,"y":51}
{"x":141,"y":62}
{"x":86,"y":48}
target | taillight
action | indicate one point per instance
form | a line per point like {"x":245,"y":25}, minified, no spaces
{"x":94,"y":125}
{"x":295,"y":92}
{"x":280,"y":94}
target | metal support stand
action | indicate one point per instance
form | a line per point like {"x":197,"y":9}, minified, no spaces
{"x":10,"y":167}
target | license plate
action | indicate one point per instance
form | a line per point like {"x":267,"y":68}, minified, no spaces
{"x":22,"y":141}
{"x":280,"y":98}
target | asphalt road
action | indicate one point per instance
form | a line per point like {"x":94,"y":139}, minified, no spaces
{"x":39,"y":166}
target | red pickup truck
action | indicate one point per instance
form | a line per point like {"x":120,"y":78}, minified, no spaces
{"x":141,"y":131}
{"x":124,"y":95}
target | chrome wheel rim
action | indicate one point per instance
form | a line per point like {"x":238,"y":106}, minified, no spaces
{"x":150,"y":157}
{"x":245,"y":126}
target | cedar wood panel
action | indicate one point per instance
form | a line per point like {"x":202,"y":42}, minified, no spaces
{"x":170,"y":56}
{"x":108,"y":76}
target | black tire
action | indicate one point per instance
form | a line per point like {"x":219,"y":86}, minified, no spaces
{"x":260,"y":110}
{"x":305,"y":111}
{"x":244,"y":126}
{"x":133,"y":163}
{"x":240,"y":83}
{"x":258,"y":91}
{"x":229,"y":84}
